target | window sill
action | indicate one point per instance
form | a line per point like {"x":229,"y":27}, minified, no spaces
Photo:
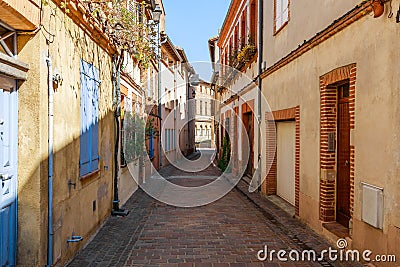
{"x":276,"y":31}
{"x":90,"y":175}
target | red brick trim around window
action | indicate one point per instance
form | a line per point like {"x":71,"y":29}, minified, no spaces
{"x":328,"y":124}
{"x":270,"y":184}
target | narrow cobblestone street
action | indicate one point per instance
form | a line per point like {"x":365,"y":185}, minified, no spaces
{"x":179,"y":133}
{"x":228,"y":232}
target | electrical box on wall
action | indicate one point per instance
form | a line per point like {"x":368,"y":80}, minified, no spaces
{"x":372,"y":205}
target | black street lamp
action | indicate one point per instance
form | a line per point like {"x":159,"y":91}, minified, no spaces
{"x":157,"y":14}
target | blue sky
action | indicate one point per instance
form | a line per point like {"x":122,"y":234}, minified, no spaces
{"x":190,"y":23}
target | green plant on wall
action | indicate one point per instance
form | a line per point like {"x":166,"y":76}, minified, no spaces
{"x":135,"y":133}
{"x":127,"y":27}
{"x":133,"y":137}
{"x":226,"y":154}
{"x":246,"y":53}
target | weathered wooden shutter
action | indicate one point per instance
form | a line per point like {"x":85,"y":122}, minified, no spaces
{"x":89,"y":154}
{"x":85,"y":138}
{"x":95,"y":120}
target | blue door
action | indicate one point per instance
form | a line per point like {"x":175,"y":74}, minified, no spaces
{"x":8,"y":171}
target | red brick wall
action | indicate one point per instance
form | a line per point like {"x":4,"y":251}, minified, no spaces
{"x":270,"y":181}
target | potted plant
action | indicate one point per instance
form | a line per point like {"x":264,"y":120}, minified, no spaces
{"x":247,"y":53}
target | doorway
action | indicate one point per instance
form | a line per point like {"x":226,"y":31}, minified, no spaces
{"x":343,"y":157}
{"x":8,"y":170}
{"x":248,"y":125}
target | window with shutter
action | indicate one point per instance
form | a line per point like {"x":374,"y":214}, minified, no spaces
{"x":281,"y":13}
{"x":89,"y":139}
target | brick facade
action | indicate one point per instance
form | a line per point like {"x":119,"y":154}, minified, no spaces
{"x":328,"y":124}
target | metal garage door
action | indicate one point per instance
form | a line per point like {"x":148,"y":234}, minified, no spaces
{"x":286,"y":141}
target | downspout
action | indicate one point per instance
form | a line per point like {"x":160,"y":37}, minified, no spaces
{"x":159,"y":95}
{"x":117,"y":113}
{"x":50,"y":162}
{"x":188,"y":113}
{"x":260,"y":60}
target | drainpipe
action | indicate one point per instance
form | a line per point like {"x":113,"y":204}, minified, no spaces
{"x":50,"y":162}
{"x":159,"y":94}
{"x":117,"y":211}
{"x":188,"y":113}
{"x":260,"y":60}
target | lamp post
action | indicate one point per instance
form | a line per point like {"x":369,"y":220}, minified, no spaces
{"x":157,"y":12}
{"x":193,"y":82}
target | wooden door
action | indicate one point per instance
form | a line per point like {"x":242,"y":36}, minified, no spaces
{"x":343,"y":158}
{"x":236,"y":137}
{"x":248,"y":124}
{"x":8,"y":171}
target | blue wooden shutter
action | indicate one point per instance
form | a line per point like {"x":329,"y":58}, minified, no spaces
{"x":95,"y":120}
{"x":85,"y":138}
{"x":89,"y":154}
{"x":151,"y":152}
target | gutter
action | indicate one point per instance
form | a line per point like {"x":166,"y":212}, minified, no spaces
{"x":50,"y":162}
{"x":256,"y":181}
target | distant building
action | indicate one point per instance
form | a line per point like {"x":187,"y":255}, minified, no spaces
{"x":176,"y":135}
{"x":204,"y":135}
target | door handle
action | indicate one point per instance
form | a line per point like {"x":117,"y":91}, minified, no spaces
{"x":347,"y":163}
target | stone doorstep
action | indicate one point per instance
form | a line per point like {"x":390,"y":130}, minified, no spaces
{"x":283,"y":204}
{"x":337,"y":229}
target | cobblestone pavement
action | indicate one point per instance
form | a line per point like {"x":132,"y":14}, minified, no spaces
{"x":228,"y":232}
